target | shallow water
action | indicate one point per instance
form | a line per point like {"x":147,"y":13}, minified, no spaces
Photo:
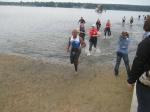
{"x":42,"y":33}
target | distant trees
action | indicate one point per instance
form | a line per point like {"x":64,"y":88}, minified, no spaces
{"x":79,"y":5}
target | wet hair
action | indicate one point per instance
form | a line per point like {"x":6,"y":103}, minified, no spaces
{"x":146,"y":26}
{"x":75,"y":31}
{"x":125,"y":34}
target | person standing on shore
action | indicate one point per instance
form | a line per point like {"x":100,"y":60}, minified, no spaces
{"x":140,"y":71}
{"x":122,"y":52}
{"x":75,"y":43}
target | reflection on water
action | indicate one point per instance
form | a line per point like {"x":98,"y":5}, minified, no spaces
{"x":43,"y":32}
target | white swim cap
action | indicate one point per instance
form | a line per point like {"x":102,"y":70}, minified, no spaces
{"x":93,"y":25}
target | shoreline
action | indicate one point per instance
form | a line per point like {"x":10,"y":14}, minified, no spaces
{"x":37,"y":86}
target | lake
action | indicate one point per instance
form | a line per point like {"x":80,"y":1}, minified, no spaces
{"x":42,"y":33}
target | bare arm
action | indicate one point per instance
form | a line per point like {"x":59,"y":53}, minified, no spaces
{"x":83,"y":44}
{"x":68,"y":46}
{"x":98,"y":34}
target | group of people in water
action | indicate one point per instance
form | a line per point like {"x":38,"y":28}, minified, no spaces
{"x":132,"y":19}
{"x":144,"y":17}
{"x":76,"y":41}
{"x":124,"y":20}
{"x":96,"y":26}
{"x":140,"y":71}
{"x":78,"y":37}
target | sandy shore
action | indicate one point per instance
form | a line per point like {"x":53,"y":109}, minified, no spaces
{"x":28,"y":85}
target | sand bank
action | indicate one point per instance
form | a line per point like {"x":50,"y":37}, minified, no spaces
{"x":28,"y":85}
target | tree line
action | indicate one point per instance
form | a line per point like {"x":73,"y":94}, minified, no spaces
{"x":80,"y":5}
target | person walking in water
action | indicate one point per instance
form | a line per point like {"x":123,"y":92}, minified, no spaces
{"x":140,"y":71}
{"x":82,"y":31}
{"x":98,"y":24}
{"x":145,"y":18}
{"x":75,"y":43}
{"x":81,"y":21}
{"x":139,"y":17}
{"x":107,"y":29}
{"x":123,"y":21}
{"x":131,"y":20}
{"x":82,"y":27}
{"x":93,"y":34}
{"x":122,"y":52}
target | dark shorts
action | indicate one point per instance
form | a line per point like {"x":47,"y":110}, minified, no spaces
{"x":107,"y":30}
{"x":93,"y":41}
{"x":74,"y":55}
{"x":82,"y":35}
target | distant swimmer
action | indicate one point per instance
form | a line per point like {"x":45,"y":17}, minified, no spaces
{"x":75,"y":44}
{"x":123,"y":21}
{"x":131,"y":20}
{"x":98,"y":24}
{"x":93,"y":34}
{"x":107,"y":29}
{"x":122,"y":52}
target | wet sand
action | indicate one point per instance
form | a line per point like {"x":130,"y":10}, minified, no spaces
{"x":28,"y":85}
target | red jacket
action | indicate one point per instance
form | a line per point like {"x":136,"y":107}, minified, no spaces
{"x":93,"y":32}
{"x":108,"y":25}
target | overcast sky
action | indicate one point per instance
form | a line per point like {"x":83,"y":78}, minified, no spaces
{"x":133,"y":2}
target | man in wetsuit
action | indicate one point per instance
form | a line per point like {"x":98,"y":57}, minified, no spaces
{"x":81,"y":21}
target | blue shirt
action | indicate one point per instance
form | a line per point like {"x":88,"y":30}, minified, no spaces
{"x":123,"y":45}
{"x":75,"y":43}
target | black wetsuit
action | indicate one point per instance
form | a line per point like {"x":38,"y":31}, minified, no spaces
{"x":82,"y":21}
{"x":98,"y":24}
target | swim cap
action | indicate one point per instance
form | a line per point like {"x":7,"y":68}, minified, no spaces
{"x":93,"y":25}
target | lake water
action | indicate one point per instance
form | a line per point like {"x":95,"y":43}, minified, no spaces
{"x":42,"y":33}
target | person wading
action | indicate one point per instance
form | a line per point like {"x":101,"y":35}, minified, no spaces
{"x":75,"y":43}
{"x":93,"y":34}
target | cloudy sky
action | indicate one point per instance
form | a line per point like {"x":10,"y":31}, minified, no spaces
{"x":133,"y":2}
